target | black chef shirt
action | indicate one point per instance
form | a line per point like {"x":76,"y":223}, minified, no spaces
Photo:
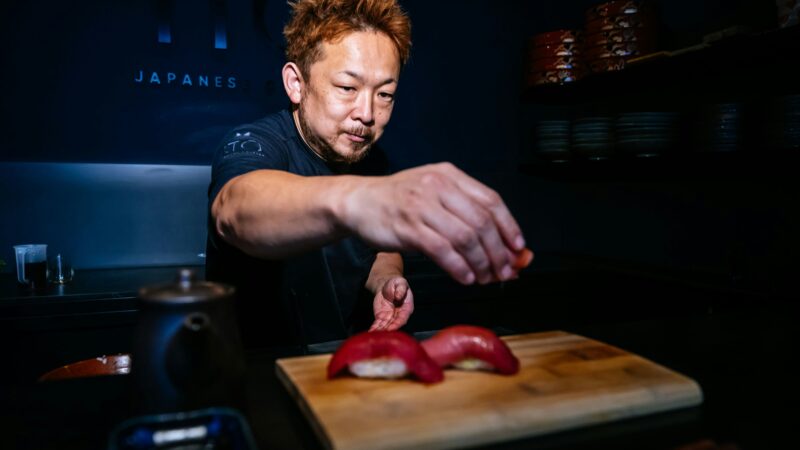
{"x":313,"y":297}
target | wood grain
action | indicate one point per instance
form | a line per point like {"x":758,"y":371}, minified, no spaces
{"x":565,"y":381}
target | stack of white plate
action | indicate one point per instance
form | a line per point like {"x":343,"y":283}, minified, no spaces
{"x":791,"y":127}
{"x":592,"y":137}
{"x":725,"y":127}
{"x":646,"y":134}
{"x":552,"y":140}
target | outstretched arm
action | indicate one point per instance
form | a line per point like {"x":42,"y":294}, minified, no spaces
{"x":273,"y":214}
{"x":459,"y":223}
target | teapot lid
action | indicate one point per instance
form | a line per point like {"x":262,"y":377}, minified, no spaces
{"x":186,"y":289}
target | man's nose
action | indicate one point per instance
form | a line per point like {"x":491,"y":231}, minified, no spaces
{"x":363,"y":110}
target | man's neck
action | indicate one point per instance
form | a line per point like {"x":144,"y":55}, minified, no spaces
{"x":296,"y":118}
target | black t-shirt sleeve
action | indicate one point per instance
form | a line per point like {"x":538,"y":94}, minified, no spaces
{"x":243,"y":150}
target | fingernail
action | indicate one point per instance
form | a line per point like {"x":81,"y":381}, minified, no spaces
{"x":519,"y":243}
{"x":470,"y":278}
{"x":506,"y":273}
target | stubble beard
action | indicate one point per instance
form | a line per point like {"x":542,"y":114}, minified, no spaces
{"x":325,"y":150}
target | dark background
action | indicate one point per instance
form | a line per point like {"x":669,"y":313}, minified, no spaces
{"x":70,"y":95}
{"x":112,"y":172}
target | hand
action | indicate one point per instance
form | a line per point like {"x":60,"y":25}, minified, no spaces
{"x":458,"y":222}
{"x":393,"y":305}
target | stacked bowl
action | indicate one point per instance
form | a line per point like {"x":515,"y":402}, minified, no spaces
{"x":782,"y":123}
{"x":552,"y":140}
{"x":556,"y":57}
{"x":788,"y":12}
{"x":725,"y":127}
{"x":646,"y":134}
{"x":592,"y":137}
{"x":617,"y":31}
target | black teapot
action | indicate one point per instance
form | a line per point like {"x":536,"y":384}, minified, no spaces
{"x":187,"y":351}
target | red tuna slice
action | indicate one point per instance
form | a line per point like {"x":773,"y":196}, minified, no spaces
{"x":459,"y":342}
{"x":386,"y":344}
{"x":524,"y":259}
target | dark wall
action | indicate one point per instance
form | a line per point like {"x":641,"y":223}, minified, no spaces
{"x":97,"y":81}
{"x":89,"y":81}
{"x":78,"y":86}
{"x":105,"y":215}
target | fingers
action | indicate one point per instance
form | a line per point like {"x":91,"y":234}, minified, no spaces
{"x":395,"y":288}
{"x":400,"y":318}
{"x":378,"y":325}
{"x":394,"y":306}
{"x":383,"y":306}
{"x":487,"y":253}
{"x":387,"y":321}
{"x":383,"y":316}
{"x":441,"y":251}
{"x":491,"y":201}
{"x":458,"y":222}
{"x":474,"y":221}
{"x":400,"y":291}
{"x":401,"y":315}
{"x":388,"y":289}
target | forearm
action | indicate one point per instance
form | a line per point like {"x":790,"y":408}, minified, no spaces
{"x":386,"y":266}
{"x":459,"y":223}
{"x":274,"y":214}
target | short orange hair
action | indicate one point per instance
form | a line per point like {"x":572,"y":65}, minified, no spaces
{"x":315,"y":21}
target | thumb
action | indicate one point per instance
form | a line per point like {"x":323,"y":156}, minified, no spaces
{"x":388,"y":289}
{"x":400,"y":290}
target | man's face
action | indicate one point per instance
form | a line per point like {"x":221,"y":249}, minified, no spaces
{"x":348,"y":99}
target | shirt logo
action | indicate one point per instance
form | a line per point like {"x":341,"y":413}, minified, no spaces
{"x":243,"y":143}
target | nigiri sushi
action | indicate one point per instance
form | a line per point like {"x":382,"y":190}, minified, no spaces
{"x":471,"y":347}
{"x":384,"y":354}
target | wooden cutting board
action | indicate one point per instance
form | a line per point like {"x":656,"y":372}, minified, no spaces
{"x":565,"y":381}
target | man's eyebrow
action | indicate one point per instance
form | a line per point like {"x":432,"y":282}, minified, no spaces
{"x":361,"y":79}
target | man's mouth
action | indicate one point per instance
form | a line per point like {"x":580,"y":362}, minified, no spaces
{"x":356,"y":137}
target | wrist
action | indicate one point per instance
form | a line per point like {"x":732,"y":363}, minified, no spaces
{"x":343,"y":201}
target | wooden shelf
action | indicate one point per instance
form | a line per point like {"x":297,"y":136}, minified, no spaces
{"x":768,"y":166}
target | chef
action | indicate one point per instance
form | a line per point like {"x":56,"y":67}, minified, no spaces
{"x":304,"y":220}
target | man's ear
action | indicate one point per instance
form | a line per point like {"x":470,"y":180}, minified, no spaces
{"x":293,"y":82}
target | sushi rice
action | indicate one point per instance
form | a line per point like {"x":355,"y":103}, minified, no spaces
{"x":379,"y":368}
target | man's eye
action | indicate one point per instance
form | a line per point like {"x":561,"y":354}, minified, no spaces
{"x":347,"y":88}
{"x":386,"y":96}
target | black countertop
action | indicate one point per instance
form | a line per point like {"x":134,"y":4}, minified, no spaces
{"x":738,"y":345}
{"x":116,"y":288}
{"x":92,"y":315}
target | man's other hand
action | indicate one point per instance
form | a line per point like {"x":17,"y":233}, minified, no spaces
{"x":393,"y":305}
